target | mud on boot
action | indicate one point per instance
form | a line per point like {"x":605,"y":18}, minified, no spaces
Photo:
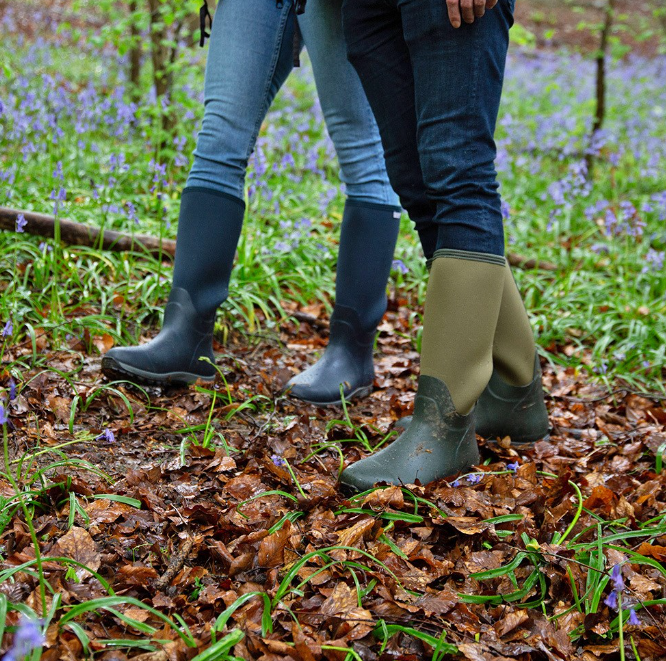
{"x":440,"y":442}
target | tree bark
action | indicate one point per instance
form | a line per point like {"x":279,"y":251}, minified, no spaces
{"x":135,"y":51}
{"x":78,"y":234}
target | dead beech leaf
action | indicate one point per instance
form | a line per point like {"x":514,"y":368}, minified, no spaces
{"x":271,"y":548}
{"x":512,"y":620}
{"x":342,"y":600}
{"x":360,"y":530}
{"x":652,"y":551}
{"x":78,"y":545}
{"x":383,"y":498}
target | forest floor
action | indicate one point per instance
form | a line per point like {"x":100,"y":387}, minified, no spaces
{"x":206,"y":523}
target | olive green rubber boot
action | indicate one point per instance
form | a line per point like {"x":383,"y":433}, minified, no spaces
{"x":462,"y":307}
{"x":513,"y":402}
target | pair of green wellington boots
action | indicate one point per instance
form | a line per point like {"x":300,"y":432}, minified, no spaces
{"x":479,"y":374}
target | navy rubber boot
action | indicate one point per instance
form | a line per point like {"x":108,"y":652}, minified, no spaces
{"x":209,"y":227}
{"x":367,"y":242}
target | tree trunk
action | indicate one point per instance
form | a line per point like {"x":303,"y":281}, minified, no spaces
{"x":135,"y":52}
{"x":600,"y":114}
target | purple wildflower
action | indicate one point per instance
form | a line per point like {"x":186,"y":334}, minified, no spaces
{"x":12,"y":390}
{"x":474,"y":479}
{"x":611,"y":600}
{"x":21,"y":222}
{"x":513,"y":467}
{"x":28,"y":637}
{"x":655,"y":258}
{"x":633,"y":618}
{"x":2,"y":107}
{"x":277,"y":460}
{"x":107,"y":435}
{"x":506,"y":210}
{"x":616,"y":578}
{"x":4,"y":418}
{"x":456,"y":483}
{"x":399,"y":265}
{"x":8,"y":329}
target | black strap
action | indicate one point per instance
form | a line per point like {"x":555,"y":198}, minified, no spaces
{"x":203,"y":14}
{"x":296,"y":52}
{"x":300,"y":6}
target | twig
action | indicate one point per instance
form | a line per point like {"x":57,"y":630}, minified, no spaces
{"x":175,"y":564}
{"x":612,"y":393}
{"x":309,"y":319}
{"x":79,"y":234}
{"x":529,"y":263}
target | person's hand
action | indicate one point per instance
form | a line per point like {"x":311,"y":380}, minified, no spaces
{"x":467,"y":10}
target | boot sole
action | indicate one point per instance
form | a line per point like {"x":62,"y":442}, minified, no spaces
{"x":111,"y":367}
{"x":359,"y":393}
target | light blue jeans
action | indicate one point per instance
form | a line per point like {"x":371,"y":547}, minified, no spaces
{"x":250,"y":57}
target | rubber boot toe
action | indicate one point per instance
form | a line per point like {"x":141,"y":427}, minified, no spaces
{"x":346,"y":364}
{"x":173,"y":356}
{"x":439,"y":442}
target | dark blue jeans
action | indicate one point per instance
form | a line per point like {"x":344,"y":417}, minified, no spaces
{"x":435,"y":92}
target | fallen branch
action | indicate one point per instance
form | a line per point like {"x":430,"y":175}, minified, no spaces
{"x":528,"y":263}
{"x":175,"y":565}
{"x":79,"y":234}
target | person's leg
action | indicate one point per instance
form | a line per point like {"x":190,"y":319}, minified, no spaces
{"x":250,"y":56}
{"x":377,"y":50}
{"x":370,"y":222}
{"x":457,"y":88}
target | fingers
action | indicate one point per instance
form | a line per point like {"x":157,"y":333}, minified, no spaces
{"x":453,"y":7}
{"x":467,"y":8}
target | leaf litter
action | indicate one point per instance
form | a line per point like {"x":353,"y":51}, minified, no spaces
{"x":195,"y":514}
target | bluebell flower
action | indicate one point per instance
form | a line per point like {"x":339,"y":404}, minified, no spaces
{"x":28,"y":637}
{"x":107,"y":435}
{"x":8,"y":329}
{"x":611,"y":600}
{"x":399,"y":265}
{"x":616,"y":578}
{"x":12,"y":390}
{"x":21,"y":222}
{"x":513,"y":467}
{"x":277,"y":460}
{"x":456,"y":483}
{"x":474,"y":479}
{"x":633,"y":618}
{"x":4,"y":418}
